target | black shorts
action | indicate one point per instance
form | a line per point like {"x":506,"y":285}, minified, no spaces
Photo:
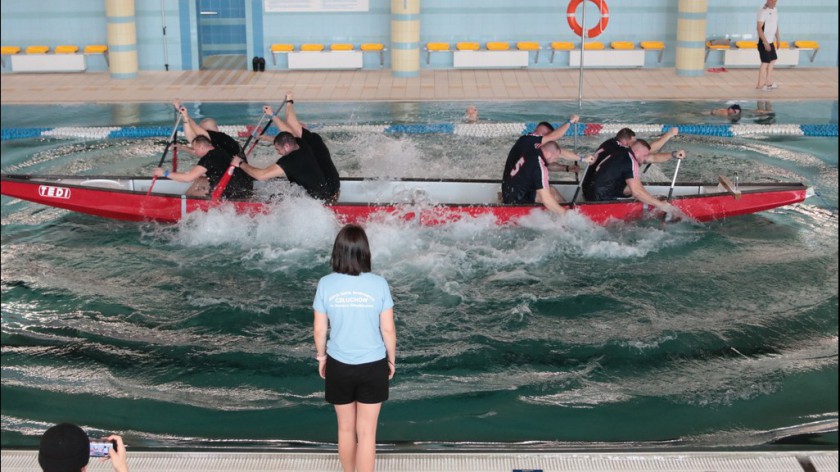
{"x":363,"y":383}
{"x":764,"y":54}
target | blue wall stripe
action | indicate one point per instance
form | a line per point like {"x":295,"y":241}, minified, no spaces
{"x":122,"y":48}
{"x":257,"y":25}
{"x":186,"y":37}
{"x":132,"y":75}
{"x":689,"y":73}
{"x":405,"y":17}
{"x":691,"y":44}
{"x":120,"y":19}
{"x":405,"y":46}
{"x":691,"y":16}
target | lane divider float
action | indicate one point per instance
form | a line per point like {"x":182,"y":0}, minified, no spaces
{"x":479,"y":130}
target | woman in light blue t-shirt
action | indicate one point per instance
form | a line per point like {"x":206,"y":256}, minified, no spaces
{"x":355,"y":307}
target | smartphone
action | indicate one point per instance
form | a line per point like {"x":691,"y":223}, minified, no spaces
{"x":101,"y":448}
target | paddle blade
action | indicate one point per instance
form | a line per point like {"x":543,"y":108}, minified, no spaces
{"x":223,"y":183}
{"x":154,"y":179}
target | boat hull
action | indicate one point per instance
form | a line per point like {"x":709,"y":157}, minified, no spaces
{"x":429,"y":202}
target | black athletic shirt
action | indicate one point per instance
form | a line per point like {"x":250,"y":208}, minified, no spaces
{"x":525,"y":171}
{"x":217,"y":162}
{"x":605,"y":150}
{"x":223,"y":141}
{"x":322,"y":155}
{"x":611,"y":176}
{"x":302,"y":169}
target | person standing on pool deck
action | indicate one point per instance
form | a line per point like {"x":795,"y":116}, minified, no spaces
{"x":355,"y":307}
{"x":768,"y":33}
{"x":320,"y":151}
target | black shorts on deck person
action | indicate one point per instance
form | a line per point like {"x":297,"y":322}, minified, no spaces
{"x":363,"y":383}
{"x":765,"y":55}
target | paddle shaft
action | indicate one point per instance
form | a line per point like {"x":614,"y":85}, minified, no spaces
{"x":674,"y":180}
{"x":223,"y":182}
{"x":262,"y":132}
{"x":580,"y":185}
{"x":169,"y":144}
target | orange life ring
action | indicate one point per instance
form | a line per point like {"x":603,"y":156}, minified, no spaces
{"x":597,"y":29}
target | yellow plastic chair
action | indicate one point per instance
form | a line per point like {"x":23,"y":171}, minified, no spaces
{"x":435,"y":47}
{"x":654,"y":46}
{"x":593,"y":46}
{"x":498,"y":46}
{"x":813,"y":46}
{"x":622,"y":45}
{"x":66,"y":49}
{"x":37,"y":49}
{"x":341,"y":47}
{"x":468,"y":46}
{"x":530,"y":46}
{"x":8,"y":51}
{"x":312,"y":47}
{"x":716,"y":45}
{"x":97,"y":49}
{"x":560,"y":46}
{"x":375,"y":47}
{"x":280,"y":48}
{"x":746,"y":44}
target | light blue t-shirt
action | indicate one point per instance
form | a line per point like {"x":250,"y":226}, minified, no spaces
{"x":353,"y":304}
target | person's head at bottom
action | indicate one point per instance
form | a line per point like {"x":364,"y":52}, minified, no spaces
{"x":64,"y":447}
{"x":351,"y":251}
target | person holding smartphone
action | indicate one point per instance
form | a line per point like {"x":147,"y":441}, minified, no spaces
{"x":66,"y":447}
{"x":355,"y":307}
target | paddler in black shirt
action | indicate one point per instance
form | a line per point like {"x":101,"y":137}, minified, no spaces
{"x":316,"y":144}
{"x":207,"y":127}
{"x":296,"y":162}
{"x":212,"y":164}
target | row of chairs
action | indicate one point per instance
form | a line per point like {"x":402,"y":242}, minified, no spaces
{"x":284,"y":48}
{"x":723,"y":45}
{"x":554,"y":46}
{"x":61,"y":49}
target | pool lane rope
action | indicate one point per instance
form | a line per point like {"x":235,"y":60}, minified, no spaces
{"x":479,"y":130}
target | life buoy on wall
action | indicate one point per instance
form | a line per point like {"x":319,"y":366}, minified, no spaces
{"x":597,"y":29}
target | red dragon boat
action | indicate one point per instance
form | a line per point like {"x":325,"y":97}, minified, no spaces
{"x":426,"y":200}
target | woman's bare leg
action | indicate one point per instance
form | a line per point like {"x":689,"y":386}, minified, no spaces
{"x":346,"y":415}
{"x":367,"y":415}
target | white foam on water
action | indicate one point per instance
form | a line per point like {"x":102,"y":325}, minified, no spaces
{"x":99,"y":381}
{"x":704,"y":382}
{"x":294,"y":221}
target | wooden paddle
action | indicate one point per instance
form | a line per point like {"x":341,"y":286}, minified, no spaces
{"x":729,"y":187}
{"x":169,"y":144}
{"x":223,"y":182}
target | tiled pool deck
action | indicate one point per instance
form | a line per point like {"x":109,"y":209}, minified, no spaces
{"x":432,"y":85}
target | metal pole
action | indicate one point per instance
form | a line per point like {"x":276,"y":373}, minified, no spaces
{"x":165,"y":46}
{"x":582,"y":44}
